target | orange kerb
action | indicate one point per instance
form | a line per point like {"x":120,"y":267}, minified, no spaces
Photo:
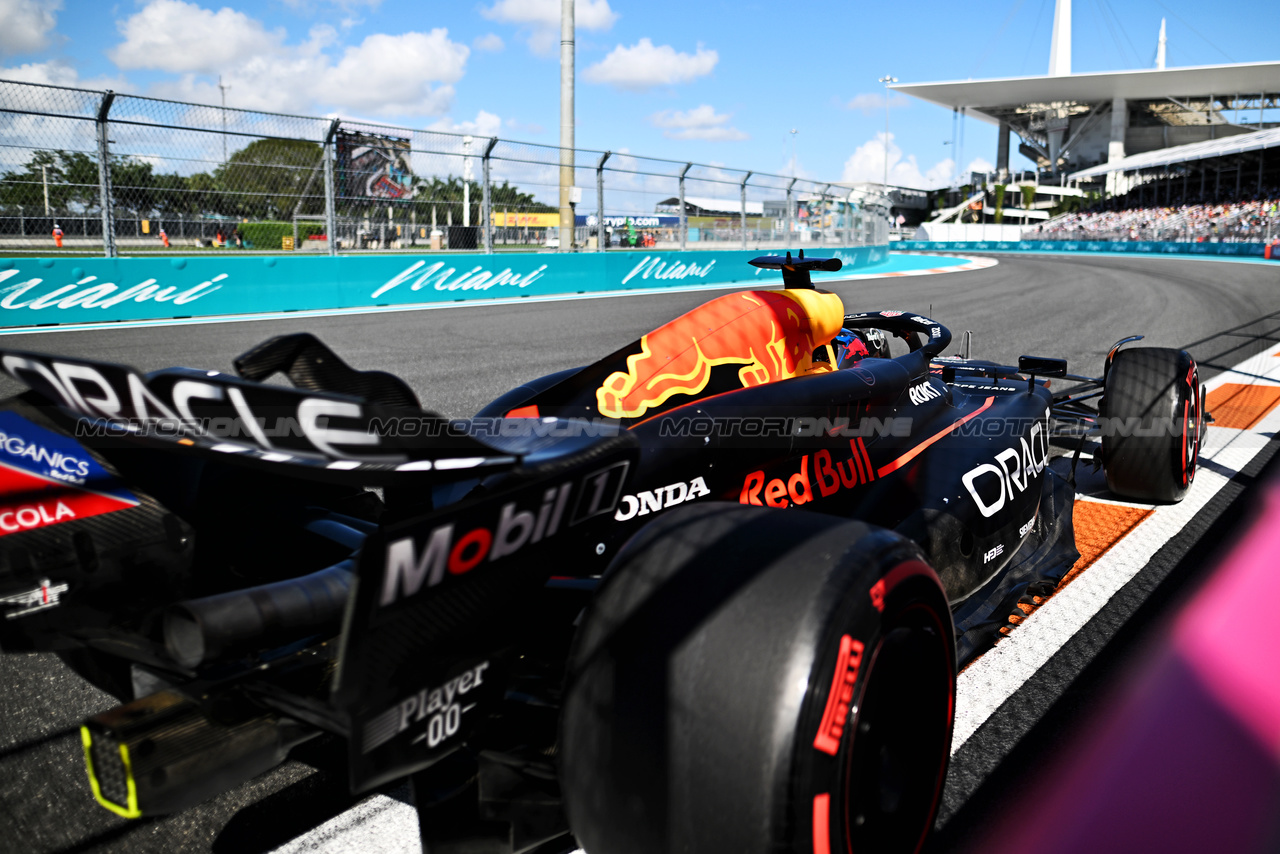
{"x":1099,"y":527}
{"x":1240,"y":406}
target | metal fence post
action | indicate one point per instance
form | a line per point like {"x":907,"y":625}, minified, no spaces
{"x":825,"y":189}
{"x":684,"y":216}
{"x":104,"y":177}
{"x":600,"y":232}
{"x":789,"y":214}
{"x":743,"y":191}
{"x":330,"y":226}
{"x":486,"y":211}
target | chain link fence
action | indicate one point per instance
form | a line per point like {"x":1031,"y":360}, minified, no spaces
{"x":110,"y":173}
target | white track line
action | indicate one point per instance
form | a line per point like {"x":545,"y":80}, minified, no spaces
{"x":971,"y":263}
{"x":377,"y":824}
{"x":994,"y":677}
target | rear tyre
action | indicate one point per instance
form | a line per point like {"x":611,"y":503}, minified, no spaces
{"x":1153,"y":421}
{"x":751,"y":680}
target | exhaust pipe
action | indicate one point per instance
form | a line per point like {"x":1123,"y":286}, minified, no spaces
{"x":163,"y":754}
{"x":202,"y":630}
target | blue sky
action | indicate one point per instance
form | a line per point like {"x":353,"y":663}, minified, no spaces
{"x":713,"y":81}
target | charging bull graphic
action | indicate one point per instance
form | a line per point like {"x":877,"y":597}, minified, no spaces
{"x":771,"y":334}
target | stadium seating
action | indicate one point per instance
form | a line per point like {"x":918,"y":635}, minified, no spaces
{"x":1252,"y":219}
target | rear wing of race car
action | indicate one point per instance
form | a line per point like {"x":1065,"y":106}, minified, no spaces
{"x":795,"y":271}
{"x":438,"y":601}
{"x":374,"y":434}
{"x":438,"y":608}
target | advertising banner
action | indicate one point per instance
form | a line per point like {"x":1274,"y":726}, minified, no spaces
{"x":41,"y":291}
{"x":371,"y":166}
{"x":636,"y":221}
{"x":525,"y":220}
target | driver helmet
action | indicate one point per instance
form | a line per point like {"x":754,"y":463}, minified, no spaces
{"x":861,"y":344}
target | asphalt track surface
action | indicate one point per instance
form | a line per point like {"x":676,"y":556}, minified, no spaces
{"x":459,"y":358}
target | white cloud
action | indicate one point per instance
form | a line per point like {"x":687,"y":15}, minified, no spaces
{"x":588,"y":14}
{"x":171,"y":35}
{"x":484,"y":124}
{"x":714,"y":134}
{"x":701,"y":122}
{"x":488,"y":42}
{"x":874,"y":102}
{"x":345,"y":5}
{"x":980,"y":164}
{"x":701,"y":116}
{"x":867,"y":164}
{"x":387,"y":75}
{"x":59,"y":73}
{"x":25,"y":25}
{"x":541,"y":19}
{"x":523,"y":127}
{"x":391,"y":75}
{"x":645,"y":65}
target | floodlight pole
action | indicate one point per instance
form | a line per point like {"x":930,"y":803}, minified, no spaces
{"x":886,"y":80}
{"x":224,"y":118}
{"x":743,"y":191}
{"x":566,"y":123}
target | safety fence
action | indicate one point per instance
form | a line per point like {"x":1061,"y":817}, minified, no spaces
{"x":114,"y":173}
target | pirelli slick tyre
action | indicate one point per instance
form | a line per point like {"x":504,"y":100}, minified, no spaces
{"x":1152,"y":422}
{"x":755,"y":680}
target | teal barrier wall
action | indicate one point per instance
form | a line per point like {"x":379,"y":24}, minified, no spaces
{"x":86,"y":290}
{"x":1138,"y":247}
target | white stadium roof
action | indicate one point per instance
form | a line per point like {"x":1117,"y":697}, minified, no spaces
{"x":1183,"y":153}
{"x":1244,"y":78}
{"x":720,"y":206}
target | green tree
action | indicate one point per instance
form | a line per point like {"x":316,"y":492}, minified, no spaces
{"x":264,"y":179}
{"x":72,"y":180}
{"x":70,"y":176}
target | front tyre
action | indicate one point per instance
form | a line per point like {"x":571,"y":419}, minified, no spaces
{"x":1152,"y":422}
{"x":751,"y":680}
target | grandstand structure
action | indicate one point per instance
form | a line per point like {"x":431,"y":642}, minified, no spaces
{"x":1122,"y":130}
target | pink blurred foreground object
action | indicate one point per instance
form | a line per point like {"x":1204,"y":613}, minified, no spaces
{"x":1186,"y":756}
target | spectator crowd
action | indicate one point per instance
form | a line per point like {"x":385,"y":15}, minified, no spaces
{"x":1254,"y":219}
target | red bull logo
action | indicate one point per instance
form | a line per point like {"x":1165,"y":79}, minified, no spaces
{"x":798,"y":488}
{"x":771,"y":334}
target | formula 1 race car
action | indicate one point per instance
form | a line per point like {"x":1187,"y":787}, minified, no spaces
{"x":709,"y":593}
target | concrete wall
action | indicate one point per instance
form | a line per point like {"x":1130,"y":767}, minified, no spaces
{"x":86,"y":290}
{"x":971,"y":231}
